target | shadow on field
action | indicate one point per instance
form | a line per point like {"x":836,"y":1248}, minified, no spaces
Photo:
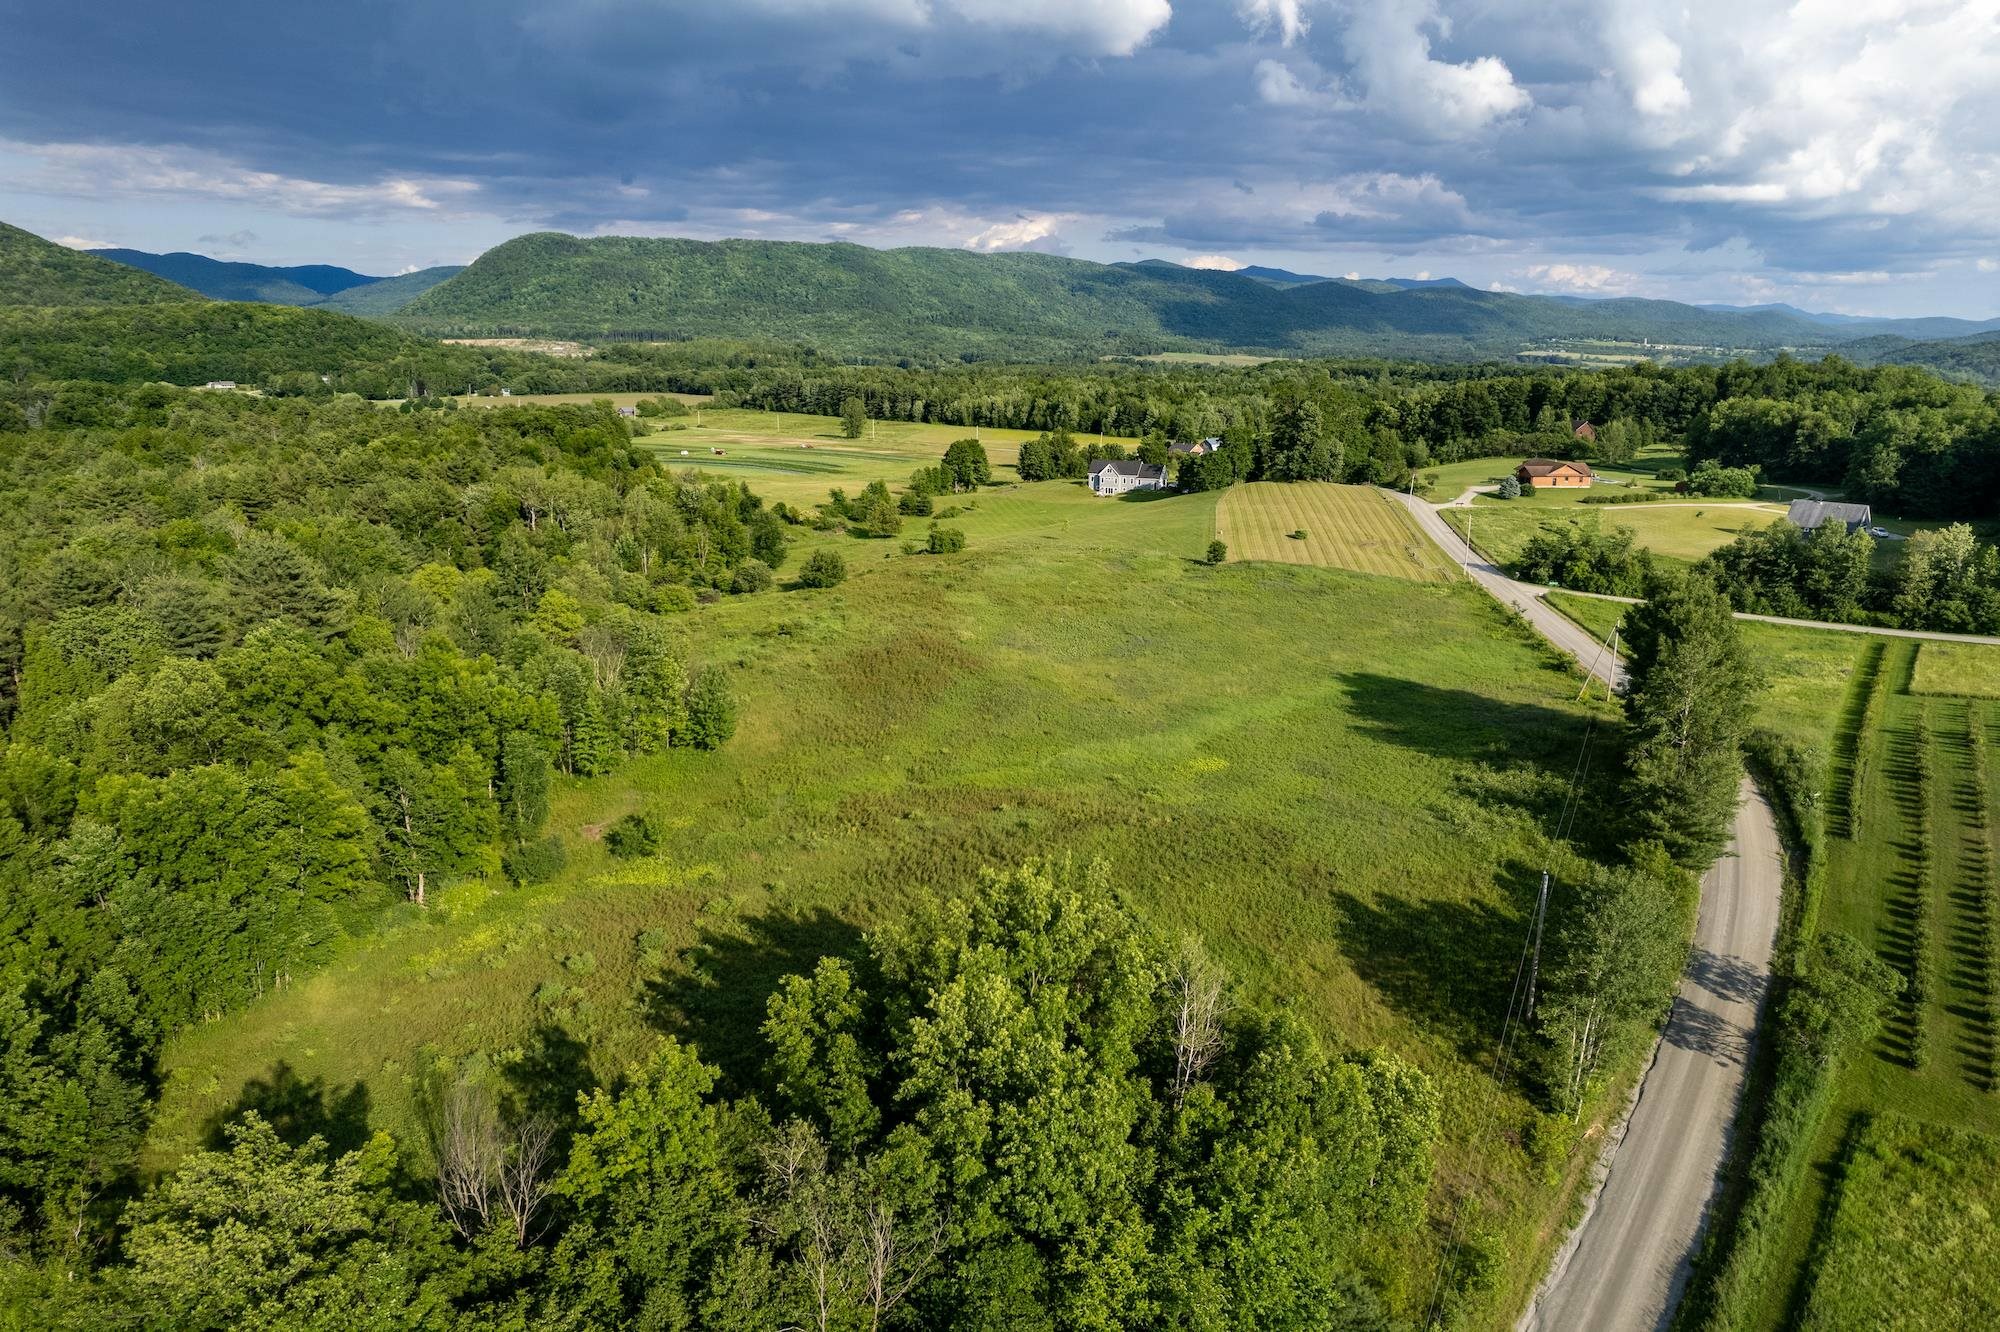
{"x":297,"y":1108}
{"x":1446,"y":965}
{"x":717,"y":1003}
{"x":1458,"y":724}
{"x":545,"y":1082}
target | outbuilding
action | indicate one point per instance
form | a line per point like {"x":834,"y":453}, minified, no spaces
{"x":1809,"y":513}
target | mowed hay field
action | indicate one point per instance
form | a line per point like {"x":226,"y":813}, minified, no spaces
{"x":1677,"y":529}
{"x":1346,"y":527}
{"x":1351,"y":815}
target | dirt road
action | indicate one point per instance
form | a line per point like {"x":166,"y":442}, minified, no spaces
{"x":1624,"y":1267}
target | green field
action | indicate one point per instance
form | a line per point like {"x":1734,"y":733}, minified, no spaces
{"x":1965,"y":669}
{"x":1912,"y":1243}
{"x":1348,"y":812}
{"x":1680,"y":529}
{"x":1346,"y":527}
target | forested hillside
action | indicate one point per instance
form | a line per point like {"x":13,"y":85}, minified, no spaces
{"x":223,"y":281}
{"x":387,"y":295}
{"x":854,"y":301}
{"x":34,"y":271}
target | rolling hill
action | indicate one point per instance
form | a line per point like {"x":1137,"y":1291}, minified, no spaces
{"x":34,"y":271}
{"x":854,"y":301}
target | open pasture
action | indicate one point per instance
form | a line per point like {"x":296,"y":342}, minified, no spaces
{"x":1345,"y":527}
{"x":1350,"y":814}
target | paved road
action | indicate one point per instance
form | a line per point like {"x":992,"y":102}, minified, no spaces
{"x":1550,"y":622}
{"x":1625,"y":1265}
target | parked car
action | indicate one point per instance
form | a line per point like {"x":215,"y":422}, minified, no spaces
{"x":1878,"y":531}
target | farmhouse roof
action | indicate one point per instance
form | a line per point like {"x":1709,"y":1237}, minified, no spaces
{"x":1809,"y":514}
{"x":1546,"y":466}
{"x":1179,"y":447}
{"x":1583,"y":429}
{"x":1127,"y":467}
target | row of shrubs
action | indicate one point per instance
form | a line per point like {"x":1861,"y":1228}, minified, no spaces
{"x":1918,"y":995}
{"x":1988,"y":889}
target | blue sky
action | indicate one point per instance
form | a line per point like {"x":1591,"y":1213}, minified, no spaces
{"x":1837,"y":154}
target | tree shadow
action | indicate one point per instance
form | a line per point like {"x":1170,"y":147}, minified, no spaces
{"x":717,"y":1000}
{"x":298,"y":1108}
{"x":546,"y":1081}
{"x":1707,"y":1033}
{"x":1460,"y":725}
{"x":1448,"y":966}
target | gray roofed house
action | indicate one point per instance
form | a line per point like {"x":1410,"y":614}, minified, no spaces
{"x":1199,"y":448}
{"x":1808,"y":514}
{"x":1109,"y":476}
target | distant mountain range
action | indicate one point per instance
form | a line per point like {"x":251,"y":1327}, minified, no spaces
{"x":936,"y":304}
{"x":307,"y":284}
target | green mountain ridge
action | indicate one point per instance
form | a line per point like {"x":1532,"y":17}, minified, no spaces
{"x":853,"y":301}
{"x":38,"y":272}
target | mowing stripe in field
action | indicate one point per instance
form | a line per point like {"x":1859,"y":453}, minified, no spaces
{"x":1346,"y":527}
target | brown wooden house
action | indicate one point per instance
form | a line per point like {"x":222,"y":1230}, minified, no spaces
{"x":1583,"y":430}
{"x":1547,"y":473}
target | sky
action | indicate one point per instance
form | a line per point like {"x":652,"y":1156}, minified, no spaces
{"x":1835,"y":154}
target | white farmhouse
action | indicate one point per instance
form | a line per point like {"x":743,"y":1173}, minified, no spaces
{"x":1115,"y":477}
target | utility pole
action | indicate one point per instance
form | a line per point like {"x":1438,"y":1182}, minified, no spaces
{"x":1535,"y":962}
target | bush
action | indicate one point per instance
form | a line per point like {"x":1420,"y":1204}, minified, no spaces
{"x":537,"y":862}
{"x":915,"y":503}
{"x":946,"y":540}
{"x":823,"y":568}
{"x":1218,"y":551}
{"x":1621,"y":497}
{"x":1510,"y":488}
{"x":752,"y":576}
{"x":1299,"y":534}
{"x":633,"y":836}
{"x":673,"y":599}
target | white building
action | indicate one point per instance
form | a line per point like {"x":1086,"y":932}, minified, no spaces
{"x":1109,"y":477}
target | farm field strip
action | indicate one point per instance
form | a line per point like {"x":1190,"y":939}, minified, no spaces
{"x":1346,"y":527}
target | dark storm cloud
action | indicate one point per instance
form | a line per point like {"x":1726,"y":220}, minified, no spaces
{"x":1396,"y":125}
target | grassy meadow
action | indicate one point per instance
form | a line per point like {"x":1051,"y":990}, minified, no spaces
{"x":1352,"y":816}
{"x":1911,"y":1243}
{"x":1342,"y":527}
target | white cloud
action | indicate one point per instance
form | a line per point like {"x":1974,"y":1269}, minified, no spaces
{"x":91,"y":170}
{"x":1278,"y":85}
{"x":83,"y":243}
{"x":1353,"y":276}
{"x":1221,"y":261}
{"x":1390,"y":47}
{"x":1581,"y":279}
{"x":1287,"y":16}
{"x":1102,"y":27}
{"x":1988,"y":265}
{"x":1027,"y":232}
